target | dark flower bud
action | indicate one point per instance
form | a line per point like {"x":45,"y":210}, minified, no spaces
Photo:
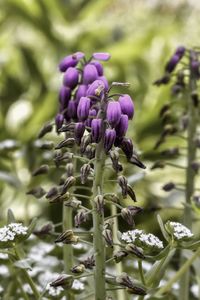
{"x":127,"y":147}
{"x":163,"y":80}
{"x":135,"y":161}
{"x":78,"y":269}
{"x":125,"y":280}
{"x":45,"y":129}
{"x":71,"y":110}
{"x":195,"y":98}
{"x":85,"y":141}
{"x":90,"y":152}
{"x":132,"y":249}
{"x":70,"y":169}
{"x":171,"y":152}
{"x":109,"y":139}
{"x":180,"y":51}
{"x":172,"y":63}
{"x":195,"y":166}
{"x":113,"y":113}
{"x":92,"y":114}
{"x":83,"y":108}
{"x":134,"y":210}
{"x":96,"y":88}
{"x":96,"y":126}
{"x":80,"y":217}
{"x":98,"y":66}
{"x":69,"y":182}
{"x":104,"y":56}
{"x":70,"y":78}
{"x":67,"y":237}
{"x":114,"y":155}
{"x":64,"y":97}
{"x":105,"y":81}
{"x":85,"y":172}
{"x":127,"y":216}
{"x":169,"y":130}
{"x":158,"y":165}
{"x":195,"y":68}
{"x":137,"y":290}
{"x":122,"y":126}
{"x":52,"y":193}
{"x":108,"y":236}
{"x":60,"y":198}
{"x":59,"y":119}
{"x":68,"y":127}
{"x":44,"y":230}
{"x":81,"y":91}
{"x":176,"y":89}
{"x":131,"y":193}
{"x":90,"y":74}
{"x":127,"y":106}
{"x":37,"y":192}
{"x":66,"y":143}
{"x":79,"y":132}
{"x":89,"y":262}
{"x":99,"y":204}
{"x":44,"y":169}
{"x":119,"y":255}
{"x":123,"y":183}
{"x":74,"y":203}
{"x":63,"y":280}
{"x":168,"y":186}
{"x":164,"y":108}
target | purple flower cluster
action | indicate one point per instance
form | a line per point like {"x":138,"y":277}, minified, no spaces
{"x":85,"y":102}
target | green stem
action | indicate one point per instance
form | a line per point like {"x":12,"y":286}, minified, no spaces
{"x":141,"y":271}
{"x":190,"y":176}
{"x":25,"y":296}
{"x":178,"y":274}
{"x":98,"y":223}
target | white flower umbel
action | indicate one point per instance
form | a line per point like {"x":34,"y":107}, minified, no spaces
{"x":180,"y":231}
{"x":77,"y":285}
{"x":11,"y":231}
{"x":140,"y":237}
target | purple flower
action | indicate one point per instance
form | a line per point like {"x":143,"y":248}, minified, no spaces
{"x":98,"y":66}
{"x":78,"y":55}
{"x":71,"y":110}
{"x":70,"y":78}
{"x":109,"y":139}
{"x":101,"y":56}
{"x":180,"y":51}
{"x":113,"y":113}
{"x":96,"y":88}
{"x":105,"y":81}
{"x":66,"y":62}
{"x":96,"y":126}
{"x":90,"y":74}
{"x":81,"y":91}
{"x":83,"y":108}
{"x":127,"y":106}
{"x":64,"y":97}
{"x":59,"y":119}
{"x":122,"y":126}
{"x":172,"y":63}
{"x":91,"y":115}
{"x":79,"y":131}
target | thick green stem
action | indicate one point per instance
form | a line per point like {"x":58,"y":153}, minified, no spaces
{"x":190,"y":174}
{"x":98,"y":222}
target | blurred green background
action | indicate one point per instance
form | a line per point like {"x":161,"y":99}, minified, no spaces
{"x":36,"y":34}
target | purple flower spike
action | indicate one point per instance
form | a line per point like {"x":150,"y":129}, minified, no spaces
{"x":83,"y":108}
{"x":172,"y":63}
{"x":105,"y":81}
{"x":78,"y":132}
{"x":81,"y":91}
{"x":92,"y":114}
{"x":90,"y":74}
{"x":66,"y":62}
{"x":64,"y":97}
{"x":59,"y":119}
{"x":70,"y":78}
{"x":109,"y":139}
{"x":71,"y":110}
{"x":96,"y":126}
{"x":180,"y":51}
{"x":98,"y":66}
{"x":127,"y":105}
{"x":101,"y":56}
{"x":113,"y":113}
{"x":96,"y":88}
{"x":122,"y":126}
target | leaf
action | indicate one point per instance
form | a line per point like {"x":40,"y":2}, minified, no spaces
{"x":162,"y":228}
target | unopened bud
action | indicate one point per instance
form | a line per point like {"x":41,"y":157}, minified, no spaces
{"x":44,"y":230}
{"x":125,"y":280}
{"x":158,"y":165}
{"x":74,"y":203}
{"x":195,"y":166}
{"x":44,"y":169}
{"x":67,"y":127}
{"x":168,"y":186}
{"x":67,"y":237}
{"x":137,"y":290}
{"x":69,"y":182}
{"x":127,"y":216}
{"x":70,"y":169}
{"x":131,"y":193}
{"x":37,"y":192}
{"x":85,"y":141}
{"x":171,"y":152}
{"x":63,"y":280}
{"x":90,"y":152}
{"x":80,"y":217}
{"x":45,"y":129}
{"x":107,"y":233}
{"x":135,"y":161}
{"x":132,"y":249}
{"x":119,"y":255}
{"x":99,"y":204}
{"x":52,"y":193}
{"x":66,"y":143}
{"x":78,"y":269}
{"x":85,"y":172}
{"x":123,"y":183}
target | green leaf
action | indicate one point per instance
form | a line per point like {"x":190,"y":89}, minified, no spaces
{"x":162,"y":228}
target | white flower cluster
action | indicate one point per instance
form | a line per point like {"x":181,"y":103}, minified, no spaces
{"x":11,"y":231}
{"x":147,"y":239}
{"x":180,"y":231}
{"x":54,"y":291}
{"x":77,"y":285}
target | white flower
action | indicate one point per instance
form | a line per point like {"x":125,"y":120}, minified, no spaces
{"x":54,"y":291}
{"x":77,"y":285}
{"x":180,"y":231}
{"x":11,"y":231}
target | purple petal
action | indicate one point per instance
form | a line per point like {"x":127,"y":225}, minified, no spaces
{"x":101,"y":56}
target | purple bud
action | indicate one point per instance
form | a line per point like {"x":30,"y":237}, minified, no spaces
{"x":105,"y":81}
{"x":172,"y":63}
{"x":64,"y":97}
{"x":92,"y":114}
{"x":79,"y":131}
{"x":109,"y":139}
{"x":195,"y":68}
{"x":90,"y":74}
{"x":71,"y":110}
{"x":78,"y":55}
{"x":101,"y":56}
{"x":98,"y":66}
{"x":113,"y":113}
{"x":67,"y":62}
{"x":96,"y":88}
{"x":59,"y":119}
{"x":81,"y":91}
{"x":70,"y":78}
{"x":122,"y":126}
{"x":180,"y":51}
{"x":83,"y":108}
{"x":96,"y":126}
{"x":127,"y":105}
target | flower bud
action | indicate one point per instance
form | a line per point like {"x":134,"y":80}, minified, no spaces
{"x":122,"y":126}
{"x":132,"y":249}
{"x":119,"y":255}
{"x":70,"y":169}
{"x":44,"y":230}
{"x":104,"y":56}
{"x":74,"y":203}
{"x":78,"y":269}
{"x":92,"y":114}
{"x":180,"y":51}
{"x":96,"y":126}
{"x":66,"y":143}
{"x":90,"y":152}
{"x":114,"y":155}
{"x":45,"y":129}
{"x":99,"y":204}
{"x":67,"y":237}
{"x":83,"y":108}
{"x":135,"y":161}
{"x":172,"y":63}
{"x":195,"y":68}
{"x":80,"y":217}
{"x":123,"y":183}
{"x":79,"y":131}
{"x":69,"y":182}
{"x":59,"y":119}
{"x":99,"y":67}
{"x":127,"y":216}
{"x":64,"y":97}
{"x":89,"y":74}
{"x":107,"y":233}
{"x":71,"y":110}
{"x":68,"y":127}
{"x":124,"y":280}
{"x":63,"y":280}
{"x":68,"y":61}
{"x":113,"y":113}
{"x":37,"y":192}
{"x":85,"y":141}
{"x":158,"y":165}
{"x":85,"y":172}
{"x":109,"y":139}
{"x":96,"y":88}
{"x":127,"y":147}
{"x":81,"y":91}
{"x":164,"y":80}
{"x":53,"y":192}
{"x":168,"y":186}
{"x":44,"y":169}
{"x":127,"y":106}
{"x":70,"y":78}
{"x":137,"y":290}
{"x":195,"y":166}
{"x":131,"y":193}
